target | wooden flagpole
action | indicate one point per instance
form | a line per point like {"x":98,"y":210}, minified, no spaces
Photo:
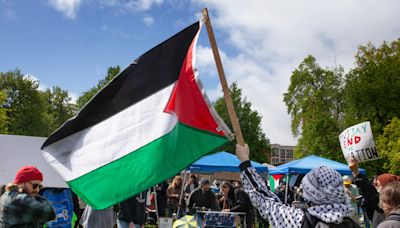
{"x":221,"y":73}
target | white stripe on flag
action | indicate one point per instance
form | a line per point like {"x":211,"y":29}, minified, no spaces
{"x":113,"y":138}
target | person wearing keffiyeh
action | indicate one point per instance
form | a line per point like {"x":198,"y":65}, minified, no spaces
{"x":322,"y":189}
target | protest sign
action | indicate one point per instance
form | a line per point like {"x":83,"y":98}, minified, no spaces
{"x":358,"y":141}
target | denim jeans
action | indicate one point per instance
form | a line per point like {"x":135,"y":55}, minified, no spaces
{"x":123,"y":224}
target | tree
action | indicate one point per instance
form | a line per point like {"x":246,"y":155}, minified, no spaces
{"x":314,"y":102}
{"x":388,"y":145}
{"x":3,"y":114}
{"x":59,"y":106}
{"x":372,"y":92}
{"x":26,"y":109}
{"x":372,"y":88}
{"x":86,"y":96}
{"x":249,"y":122}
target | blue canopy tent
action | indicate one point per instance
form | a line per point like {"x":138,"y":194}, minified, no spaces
{"x":304,"y":165}
{"x":221,"y":162}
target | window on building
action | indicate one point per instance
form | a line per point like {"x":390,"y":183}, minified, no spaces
{"x":282,"y":154}
{"x":275,"y":152}
{"x":289,"y":154}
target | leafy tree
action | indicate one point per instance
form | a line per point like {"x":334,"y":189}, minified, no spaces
{"x":372,"y":92}
{"x":26,"y":109}
{"x":86,"y":96}
{"x":3,"y":114}
{"x":59,"y":106}
{"x":372,"y":88}
{"x":388,"y":145}
{"x":314,"y":102}
{"x":249,"y":121}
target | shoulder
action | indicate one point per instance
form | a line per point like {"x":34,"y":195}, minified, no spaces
{"x":389,"y":224}
{"x":15,"y":196}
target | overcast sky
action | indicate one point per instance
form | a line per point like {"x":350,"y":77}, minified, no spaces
{"x":71,"y":43}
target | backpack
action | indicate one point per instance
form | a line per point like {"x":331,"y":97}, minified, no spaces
{"x":61,"y":199}
{"x":311,"y":222}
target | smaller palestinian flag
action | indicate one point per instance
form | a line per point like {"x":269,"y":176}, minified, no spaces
{"x":150,"y":122}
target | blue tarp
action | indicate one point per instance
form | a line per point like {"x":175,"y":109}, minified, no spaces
{"x":221,"y":162}
{"x":304,"y":165}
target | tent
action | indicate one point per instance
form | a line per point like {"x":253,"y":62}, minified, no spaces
{"x":221,"y":162}
{"x":304,"y":165}
{"x":18,"y":151}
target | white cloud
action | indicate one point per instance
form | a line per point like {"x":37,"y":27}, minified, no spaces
{"x":67,"y":7}
{"x":74,"y":97}
{"x":142,"y":5}
{"x":42,"y":87}
{"x":115,"y":32}
{"x":273,"y":37}
{"x":148,"y":20}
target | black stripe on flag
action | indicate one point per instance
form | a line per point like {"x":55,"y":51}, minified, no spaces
{"x":150,"y":73}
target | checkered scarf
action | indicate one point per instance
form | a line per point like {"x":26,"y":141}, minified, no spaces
{"x":323,"y":187}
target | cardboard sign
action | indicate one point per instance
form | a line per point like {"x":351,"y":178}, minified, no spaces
{"x":165,"y":222}
{"x":358,"y":141}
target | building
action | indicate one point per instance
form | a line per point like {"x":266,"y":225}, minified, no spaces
{"x":281,"y":154}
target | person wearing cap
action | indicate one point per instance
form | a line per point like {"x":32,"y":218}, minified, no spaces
{"x":322,"y":189}
{"x":352,"y":191}
{"x":202,"y":197}
{"x":21,"y":205}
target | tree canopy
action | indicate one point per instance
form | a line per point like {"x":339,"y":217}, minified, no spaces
{"x":250,"y":123}
{"x":59,"y":106}
{"x":29,"y":111}
{"x":26,"y":109}
{"x":388,"y":145}
{"x":86,"y":96}
{"x":324,"y":102}
{"x":3,"y":114}
{"x":314,"y":104}
{"x":373,"y":86}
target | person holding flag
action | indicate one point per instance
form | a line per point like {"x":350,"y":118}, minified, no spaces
{"x":322,"y":189}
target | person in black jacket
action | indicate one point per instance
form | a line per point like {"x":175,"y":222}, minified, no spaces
{"x":161,"y":190}
{"x":370,"y":192}
{"x":133,"y":211}
{"x":202,"y":197}
{"x":236,"y":200}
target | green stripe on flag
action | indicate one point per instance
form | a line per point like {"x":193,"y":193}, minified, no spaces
{"x":149,"y":165}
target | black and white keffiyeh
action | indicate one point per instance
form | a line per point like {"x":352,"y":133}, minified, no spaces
{"x":323,"y":187}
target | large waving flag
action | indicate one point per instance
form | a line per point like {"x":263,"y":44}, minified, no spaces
{"x":147,"y":124}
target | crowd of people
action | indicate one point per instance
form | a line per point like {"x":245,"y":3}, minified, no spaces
{"x":328,"y":203}
{"x":330,"y":200}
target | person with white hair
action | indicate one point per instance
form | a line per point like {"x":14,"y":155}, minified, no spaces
{"x":323,"y":190}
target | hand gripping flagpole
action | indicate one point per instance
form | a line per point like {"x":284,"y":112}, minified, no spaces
{"x":221,"y":73}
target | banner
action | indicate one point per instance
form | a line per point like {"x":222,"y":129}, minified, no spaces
{"x":358,"y":141}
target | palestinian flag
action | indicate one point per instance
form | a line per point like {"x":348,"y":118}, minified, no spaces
{"x":150,"y":122}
